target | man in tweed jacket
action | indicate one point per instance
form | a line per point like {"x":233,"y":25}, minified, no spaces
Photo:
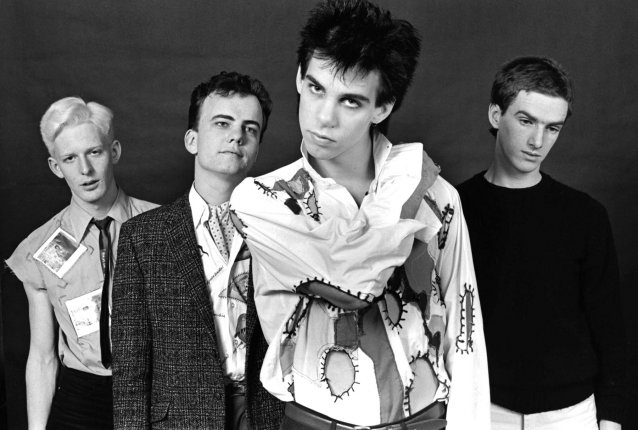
{"x":187,"y":344}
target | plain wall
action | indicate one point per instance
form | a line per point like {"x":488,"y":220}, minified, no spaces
{"x":142,"y":59}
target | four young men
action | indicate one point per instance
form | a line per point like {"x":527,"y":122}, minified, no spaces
{"x":360,"y":257}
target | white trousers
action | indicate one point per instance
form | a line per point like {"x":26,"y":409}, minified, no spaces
{"x":581,"y":416}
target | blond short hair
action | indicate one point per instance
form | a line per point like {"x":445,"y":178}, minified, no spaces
{"x":71,"y":111}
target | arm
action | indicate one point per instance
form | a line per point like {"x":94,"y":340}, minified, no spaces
{"x":131,"y":336}
{"x":463,"y":343}
{"x":42,"y":363}
{"x":602,"y":304}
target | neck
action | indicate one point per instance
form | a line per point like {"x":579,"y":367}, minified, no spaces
{"x":503,"y":178}
{"x":215,"y":190}
{"x":353,"y":170}
{"x":101,"y":208}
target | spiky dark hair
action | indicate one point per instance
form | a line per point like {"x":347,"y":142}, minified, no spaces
{"x":358,"y":35}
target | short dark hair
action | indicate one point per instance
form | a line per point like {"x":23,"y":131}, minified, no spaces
{"x":358,"y":35}
{"x":227,"y":84}
{"x":538,"y":74}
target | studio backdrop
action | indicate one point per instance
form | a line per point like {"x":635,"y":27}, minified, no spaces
{"x":142,"y":59}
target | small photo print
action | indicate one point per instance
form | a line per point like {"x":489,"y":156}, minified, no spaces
{"x":85,"y":312}
{"x":60,"y":252}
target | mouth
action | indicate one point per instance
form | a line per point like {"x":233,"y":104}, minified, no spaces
{"x":322,"y":138}
{"x":532,"y":154}
{"x":90,"y":184}
{"x":234,"y":153}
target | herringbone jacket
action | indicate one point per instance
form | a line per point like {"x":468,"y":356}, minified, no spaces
{"x":167,"y":373}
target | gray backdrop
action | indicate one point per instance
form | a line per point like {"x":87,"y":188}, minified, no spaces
{"x":143,"y":58}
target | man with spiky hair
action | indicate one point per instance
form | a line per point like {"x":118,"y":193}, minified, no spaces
{"x":366,"y":325}
{"x":546,"y":264}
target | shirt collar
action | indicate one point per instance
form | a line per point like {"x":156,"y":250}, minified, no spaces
{"x":199,"y":207}
{"x":80,"y":219}
{"x":381,"y":148}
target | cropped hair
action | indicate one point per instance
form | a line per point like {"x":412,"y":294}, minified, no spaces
{"x":538,"y":74}
{"x":72,"y":111}
{"x":358,"y":35}
{"x":227,"y":84}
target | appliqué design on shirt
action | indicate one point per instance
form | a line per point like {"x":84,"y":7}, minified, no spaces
{"x":298,"y":189}
{"x":464,"y":342}
{"x":338,"y":371}
{"x":448,"y":214}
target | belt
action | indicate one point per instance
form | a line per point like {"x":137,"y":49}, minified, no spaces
{"x":430,"y":418}
{"x":234,"y":388}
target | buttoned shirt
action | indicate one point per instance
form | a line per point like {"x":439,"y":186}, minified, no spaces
{"x":419,"y":341}
{"x":227,"y":279}
{"x":75,"y":293}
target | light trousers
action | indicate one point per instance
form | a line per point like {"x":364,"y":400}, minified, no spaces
{"x":581,"y":416}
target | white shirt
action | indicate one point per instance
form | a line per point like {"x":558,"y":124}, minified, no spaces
{"x":227,"y":288}
{"x":404,"y":351}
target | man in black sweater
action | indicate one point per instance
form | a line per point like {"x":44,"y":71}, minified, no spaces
{"x":546,"y":266}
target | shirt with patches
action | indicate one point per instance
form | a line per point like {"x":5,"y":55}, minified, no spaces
{"x":420,"y":340}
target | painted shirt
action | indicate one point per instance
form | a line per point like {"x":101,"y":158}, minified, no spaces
{"x":63,"y":258}
{"x":226,"y":262}
{"x":419,"y":341}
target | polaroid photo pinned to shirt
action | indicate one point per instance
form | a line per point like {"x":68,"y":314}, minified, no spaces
{"x":85,"y":312}
{"x":60,"y":252}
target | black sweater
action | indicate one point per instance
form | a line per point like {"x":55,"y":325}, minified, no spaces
{"x":547,"y":278}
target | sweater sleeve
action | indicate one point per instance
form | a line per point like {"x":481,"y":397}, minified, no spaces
{"x":602,"y":302}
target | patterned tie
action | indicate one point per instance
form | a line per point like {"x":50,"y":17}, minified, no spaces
{"x":106,"y":260}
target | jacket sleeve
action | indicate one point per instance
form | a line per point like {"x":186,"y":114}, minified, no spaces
{"x":601,"y":298}
{"x":463,"y":344}
{"x":131,"y":337}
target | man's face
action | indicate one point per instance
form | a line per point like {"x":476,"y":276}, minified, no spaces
{"x":335,"y":112}
{"x":83,"y":158}
{"x":226,"y":141}
{"x":527,"y":131}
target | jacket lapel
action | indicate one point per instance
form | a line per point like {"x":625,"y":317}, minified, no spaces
{"x":183,"y":244}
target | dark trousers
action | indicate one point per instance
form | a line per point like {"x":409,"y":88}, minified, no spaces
{"x":82,"y":401}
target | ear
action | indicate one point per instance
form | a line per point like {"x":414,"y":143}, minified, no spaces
{"x":299,"y":80}
{"x":55,"y":168}
{"x":494,"y":115}
{"x":116,"y":151}
{"x":382,"y":112}
{"x":190,"y":141}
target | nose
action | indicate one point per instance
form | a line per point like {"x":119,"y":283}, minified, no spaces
{"x":235,"y":134}
{"x":85,"y":166}
{"x":536,"y":139}
{"x":327,"y":114}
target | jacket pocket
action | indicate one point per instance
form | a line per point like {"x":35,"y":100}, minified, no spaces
{"x":159,"y":410}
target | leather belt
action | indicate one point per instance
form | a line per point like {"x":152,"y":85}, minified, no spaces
{"x":430,"y":418}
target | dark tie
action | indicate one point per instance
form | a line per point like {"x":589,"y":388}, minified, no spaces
{"x":106,"y":260}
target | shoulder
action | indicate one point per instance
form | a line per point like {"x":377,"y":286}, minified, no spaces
{"x":442,"y":191}
{"x":21,"y":262}
{"x":156,"y":216}
{"x":285,"y":172}
{"x":139,"y":206}
{"x":573,"y":198}
{"x":470,"y":185}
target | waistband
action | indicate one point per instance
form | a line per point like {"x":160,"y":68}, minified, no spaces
{"x":430,"y":418}
{"x":70,"y":374}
